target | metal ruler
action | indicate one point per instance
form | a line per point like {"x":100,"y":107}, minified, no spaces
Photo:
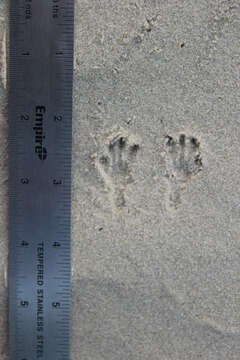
{"x":40,"y":120}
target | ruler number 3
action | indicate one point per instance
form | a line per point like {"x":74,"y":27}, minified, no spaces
{"x":25,"y":181}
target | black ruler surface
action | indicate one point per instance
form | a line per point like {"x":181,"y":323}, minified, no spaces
{"x":40,"y":121}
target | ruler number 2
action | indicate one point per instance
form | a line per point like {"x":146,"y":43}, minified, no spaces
{"x":58,"y":118}
{"x":24,"y":117}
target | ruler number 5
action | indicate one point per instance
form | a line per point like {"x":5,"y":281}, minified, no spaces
{"x":56,"y":305}
{"x":24,"y":304}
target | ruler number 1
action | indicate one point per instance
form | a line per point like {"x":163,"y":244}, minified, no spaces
{"x":57,"y":182}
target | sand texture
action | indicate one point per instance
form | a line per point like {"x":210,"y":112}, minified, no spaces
{"x":156,"y":185}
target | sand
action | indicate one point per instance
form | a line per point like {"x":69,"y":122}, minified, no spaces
{"x":156,"y":157}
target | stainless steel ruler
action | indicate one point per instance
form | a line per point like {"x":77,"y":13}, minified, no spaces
{"x":40,"y":120}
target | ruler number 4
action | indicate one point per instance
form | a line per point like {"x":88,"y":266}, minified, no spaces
{"x":56,"y":244}
{"x":24,"y":243}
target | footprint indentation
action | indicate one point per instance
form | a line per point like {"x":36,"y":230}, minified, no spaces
{"x":114,"y":164}
{"x":183,"y":161}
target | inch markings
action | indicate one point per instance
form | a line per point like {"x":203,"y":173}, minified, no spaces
{"x":40,"y":136}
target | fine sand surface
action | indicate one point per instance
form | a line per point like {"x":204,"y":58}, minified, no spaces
{"x":156,"y":160}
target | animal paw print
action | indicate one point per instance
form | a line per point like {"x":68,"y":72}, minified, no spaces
{"x":114,"y":164}
{"x":183,"y":161}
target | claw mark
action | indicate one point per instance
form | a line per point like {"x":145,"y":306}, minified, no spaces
{"x":183,"y":160}
{"x":114,"y":163}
